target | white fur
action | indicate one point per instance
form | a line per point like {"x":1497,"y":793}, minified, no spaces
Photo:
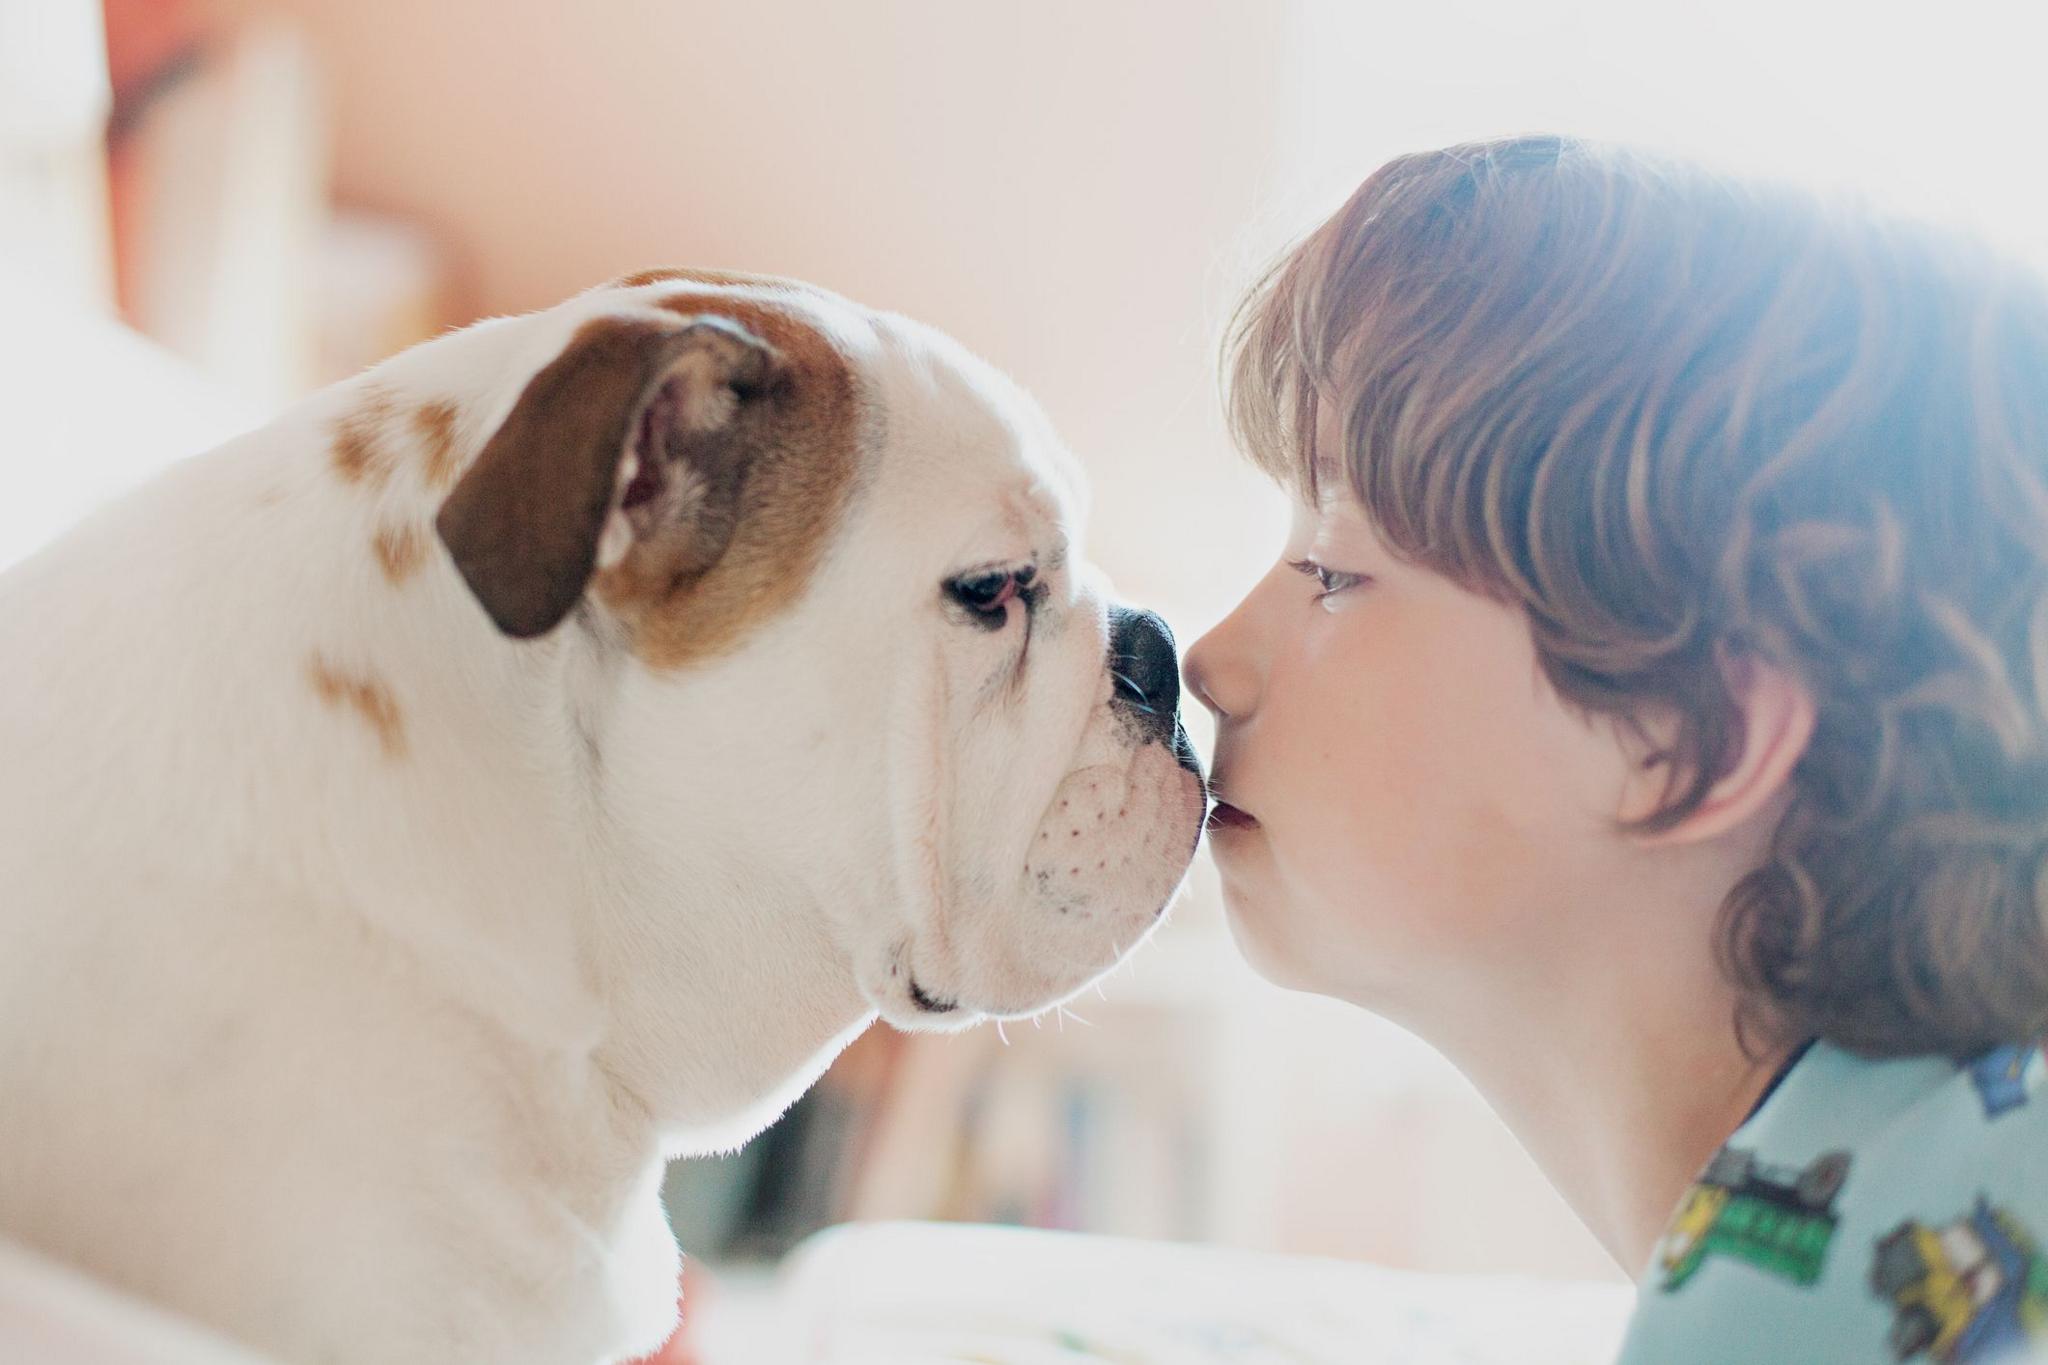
{"x":363,"y":1056}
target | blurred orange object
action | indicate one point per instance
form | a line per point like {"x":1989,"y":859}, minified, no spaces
{"x":145,"y":38}
{"x":151,"y":46}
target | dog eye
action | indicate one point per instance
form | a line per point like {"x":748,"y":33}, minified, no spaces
{"x":987,"y":593}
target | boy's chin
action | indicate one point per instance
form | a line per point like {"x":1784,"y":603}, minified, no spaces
{"x":1252,"y":928}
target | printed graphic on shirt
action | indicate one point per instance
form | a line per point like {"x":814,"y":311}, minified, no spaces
{"x":1972,"y":1290}
{"x":2000,"y":1076}
{"x":1776,"y":1218}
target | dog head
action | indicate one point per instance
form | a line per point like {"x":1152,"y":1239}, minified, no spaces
{"x":844,"y":645}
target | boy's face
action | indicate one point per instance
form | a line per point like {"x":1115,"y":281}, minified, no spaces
{"x":1418,"y":805}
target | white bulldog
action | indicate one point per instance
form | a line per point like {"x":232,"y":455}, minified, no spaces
{"x":528,"y":761}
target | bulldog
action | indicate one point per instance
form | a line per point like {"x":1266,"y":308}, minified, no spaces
{"x":529,"y":761}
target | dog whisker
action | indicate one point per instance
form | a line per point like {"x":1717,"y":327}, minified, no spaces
{"x":1136,"y":691}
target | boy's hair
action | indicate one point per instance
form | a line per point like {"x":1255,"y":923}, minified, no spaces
{"x":1671,"y":415}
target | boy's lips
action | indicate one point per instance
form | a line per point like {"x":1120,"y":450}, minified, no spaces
{"x":1223,"y":815}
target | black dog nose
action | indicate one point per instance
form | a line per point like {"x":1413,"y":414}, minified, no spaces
{"x":1143,"y":665}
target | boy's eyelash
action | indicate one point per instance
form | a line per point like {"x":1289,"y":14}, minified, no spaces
{"x":1331,"y":580}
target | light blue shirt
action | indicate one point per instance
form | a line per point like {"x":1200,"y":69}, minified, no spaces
{"x":1868,"y":1211}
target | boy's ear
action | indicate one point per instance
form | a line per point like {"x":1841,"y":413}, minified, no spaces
{"x":1776,"y":724}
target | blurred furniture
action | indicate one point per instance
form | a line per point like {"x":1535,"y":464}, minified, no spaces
{"x":238,"y":286}
{"x":228,"y":249}
{"x":92,"y":407}
{"x":217,"y":159}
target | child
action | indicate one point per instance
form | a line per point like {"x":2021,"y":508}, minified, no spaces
{"x":1651,"y":711}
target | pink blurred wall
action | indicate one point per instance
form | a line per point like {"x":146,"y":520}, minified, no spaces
{"x":1066,"y":186}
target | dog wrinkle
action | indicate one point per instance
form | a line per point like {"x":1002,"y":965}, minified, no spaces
{"x":434,"y":423}
{"x":400,"y":551}
{"x":366,"y":696}
{"x":359,"y":451}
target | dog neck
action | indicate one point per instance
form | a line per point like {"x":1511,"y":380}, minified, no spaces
{"x":725,"y":990}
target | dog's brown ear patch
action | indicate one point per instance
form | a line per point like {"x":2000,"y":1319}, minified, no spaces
{"x":685,"y":275}
{"x":800,"y":450}
{"x":626,"y":435}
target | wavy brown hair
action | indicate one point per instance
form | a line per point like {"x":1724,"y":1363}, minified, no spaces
{"x":1670,"y":414}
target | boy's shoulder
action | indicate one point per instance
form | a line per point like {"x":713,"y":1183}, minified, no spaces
{"x":1869,"y":1210}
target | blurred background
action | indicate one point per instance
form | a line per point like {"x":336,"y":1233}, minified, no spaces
{"x":208,"y":207}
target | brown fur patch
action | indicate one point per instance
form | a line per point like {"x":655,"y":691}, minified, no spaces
{"x":400,"y":551}
{"x":361,"y":453}
{"x":800,"y":459}
{"x":685,"y":275}
{"x":435,"y":424}
{"x":367,"y":697}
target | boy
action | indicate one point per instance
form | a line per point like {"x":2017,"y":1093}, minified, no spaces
{"x":1651,"y":711}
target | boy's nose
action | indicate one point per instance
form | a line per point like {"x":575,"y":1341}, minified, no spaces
{"x":1198,"y":666}
{"x":1223,"y":669}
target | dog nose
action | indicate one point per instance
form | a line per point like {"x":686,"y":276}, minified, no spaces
{"x":1144,"y":666}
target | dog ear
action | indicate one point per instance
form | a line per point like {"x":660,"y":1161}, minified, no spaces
{"x":626,"y":445}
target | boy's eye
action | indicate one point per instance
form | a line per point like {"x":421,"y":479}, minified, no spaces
{"x":1332,"y":581}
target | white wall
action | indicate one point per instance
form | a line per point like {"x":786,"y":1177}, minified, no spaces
{"x":1080,"y":188}
{"x":1065,"y":185}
